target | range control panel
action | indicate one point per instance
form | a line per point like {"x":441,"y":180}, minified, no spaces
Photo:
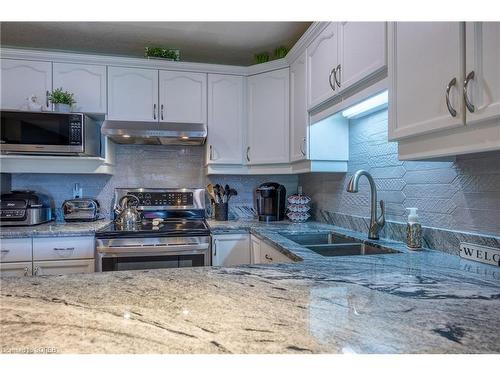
{"x":164,"y":198}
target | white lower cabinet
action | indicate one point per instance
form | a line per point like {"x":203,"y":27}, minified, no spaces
{"x":262,"y":252}
{"x":63,"y":267}
{"x":16,"y":269}
{"x":62,"y":248}
{"x":47,"y":256}
{"x":230,"y":249}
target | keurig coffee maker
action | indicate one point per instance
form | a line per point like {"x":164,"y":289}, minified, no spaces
{"x":271,"y":200}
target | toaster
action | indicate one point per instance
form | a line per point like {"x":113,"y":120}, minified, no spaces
{"x":81,"y":209}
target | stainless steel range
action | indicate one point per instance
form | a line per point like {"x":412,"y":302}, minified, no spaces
{"x":170,"y":232}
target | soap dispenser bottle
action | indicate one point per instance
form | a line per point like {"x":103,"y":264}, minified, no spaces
{"x":413,"y":230}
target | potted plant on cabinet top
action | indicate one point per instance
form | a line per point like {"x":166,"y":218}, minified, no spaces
{"x":62,"y":100}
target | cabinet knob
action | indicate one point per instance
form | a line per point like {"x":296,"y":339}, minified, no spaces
{"x":452,"y":110}
{"x":468,"y":103}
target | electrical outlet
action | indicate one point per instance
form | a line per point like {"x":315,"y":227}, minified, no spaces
{"x":480,"y":253}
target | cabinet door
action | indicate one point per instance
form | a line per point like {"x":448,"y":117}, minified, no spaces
{"x":16,"y":269}
{"x":322,"y":58}
{"x":268,"y":254}
{"x":63,"y":267}
{"x":132,"y":94}
{"x":61,"y":248}
{"x":362,"y":48}
{"x":15,"y":250}
{"x":230,"y":250}
{"x":425,"y":59}
{"x":225,"y":119}
{"x":183,"y":97}
{"x":268,"y":118}
{"x":21,"y":79}
{"x":299,"y":116}
{"x":483,"y":70}
{"x":254,"y":250}
{"x":87,"y":82}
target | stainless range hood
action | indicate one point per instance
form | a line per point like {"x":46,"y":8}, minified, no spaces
{"x":155,"y":133}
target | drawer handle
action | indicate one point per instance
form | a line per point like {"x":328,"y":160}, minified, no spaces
{"x":5,"y":251}
{"x":64,"y":249}
{"x":268,"y":257}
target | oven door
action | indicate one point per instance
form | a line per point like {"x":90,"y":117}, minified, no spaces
{"x":41,"y":132}
{"x":140,"y":254}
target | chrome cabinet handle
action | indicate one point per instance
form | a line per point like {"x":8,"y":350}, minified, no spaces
{"x":468,"y":103}
{"x":26,"y":270}
{"x":302,"y":146}
{"x":154,"y":111}
{"x":47,"y":98}
{"x":338,"y":70}
{"x":64,"y":249}
{"x":211,"y":154}
{"x":268,"y":257}
{"x":35,"y":272}
{"x":161,"y":111}
{"x":248,"y":150}
{"x":330,"y":79}
{"x":5,"y":251}
{"x":452,"y":110}
{"x":215,"y":248}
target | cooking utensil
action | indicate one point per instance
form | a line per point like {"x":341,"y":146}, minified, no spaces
{"x":211,"y":192}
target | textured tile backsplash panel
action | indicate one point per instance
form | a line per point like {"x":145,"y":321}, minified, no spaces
{"x":148,"y":166}
{"x":461,"y":195}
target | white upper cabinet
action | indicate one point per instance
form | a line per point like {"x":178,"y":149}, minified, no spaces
{"x":132,"y":94}
{"x":225,"y":119}
{"x":268,"y":117}
{"x":298,"y":113}
{"x":426,"y":77}
{"x":86,"y":82}
{"x":183,"y":97}
{"x":363,"y":52}
{"x":21,"y":79}
{"x":482,"y":70}
{"x":322,"y":59}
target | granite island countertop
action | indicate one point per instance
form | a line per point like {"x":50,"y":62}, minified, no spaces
{"x":410,"y":302}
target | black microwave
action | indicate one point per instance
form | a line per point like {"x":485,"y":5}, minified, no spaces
{"x":49,"y":133}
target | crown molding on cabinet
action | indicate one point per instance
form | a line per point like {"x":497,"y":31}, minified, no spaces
{"x":82,"y":58}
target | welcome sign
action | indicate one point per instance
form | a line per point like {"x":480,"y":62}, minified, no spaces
{"x":480,"y":253}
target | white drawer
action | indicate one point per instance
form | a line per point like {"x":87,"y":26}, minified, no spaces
{"x":63,"y":267}
{"x":16,"y":269}
{"x":15,"y":250}
{"x":59,"y":248}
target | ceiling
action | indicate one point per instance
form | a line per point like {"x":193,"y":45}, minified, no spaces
{"x":232,"y":43}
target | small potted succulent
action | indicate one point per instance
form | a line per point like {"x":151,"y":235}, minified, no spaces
{"x":62,"y":100}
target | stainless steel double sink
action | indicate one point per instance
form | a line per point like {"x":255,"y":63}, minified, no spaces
{"x":333,"y":244}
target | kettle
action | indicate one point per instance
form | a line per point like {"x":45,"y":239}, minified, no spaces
{"x":127,"y":215}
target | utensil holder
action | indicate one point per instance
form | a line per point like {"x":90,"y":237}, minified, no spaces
{"x":220,"y":210}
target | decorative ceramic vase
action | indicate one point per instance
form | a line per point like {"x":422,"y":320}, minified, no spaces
{"x":60,"y":107}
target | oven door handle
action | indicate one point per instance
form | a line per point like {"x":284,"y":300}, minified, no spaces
{"x":152,"y":248}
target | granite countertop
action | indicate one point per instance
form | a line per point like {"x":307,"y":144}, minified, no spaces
{"x":411,"y":302}
{"x":54,"y":229}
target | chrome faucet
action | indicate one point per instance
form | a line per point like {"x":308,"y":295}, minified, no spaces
{"x":376,"y":224}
